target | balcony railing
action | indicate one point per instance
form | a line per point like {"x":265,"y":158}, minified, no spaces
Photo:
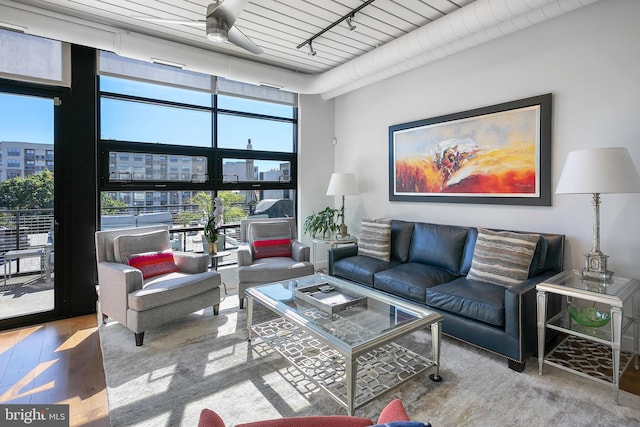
{"x":33,"y":228}
{"x":25,"y":229}
{"x":22,"y":229}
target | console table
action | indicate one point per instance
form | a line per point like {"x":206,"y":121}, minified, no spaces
{"x":613,"y":295}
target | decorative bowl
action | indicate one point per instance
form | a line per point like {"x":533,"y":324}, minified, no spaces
{"x":589,"y":316}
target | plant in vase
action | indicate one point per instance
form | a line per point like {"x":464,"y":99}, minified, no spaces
{"x":214,"y":222}
{"x":322,"y":224}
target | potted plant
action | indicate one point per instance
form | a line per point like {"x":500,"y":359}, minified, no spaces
{"x":211,"y":234}
{"x":214,"y":221}
{"x":322,"y":224}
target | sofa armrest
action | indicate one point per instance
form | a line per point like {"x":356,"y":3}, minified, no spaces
{"x":299,"y":251}
{"x":208,"y":418}
{"x":520,"y":306}
{"x":312,"y":421}
{"x":394,"y":411}
{"x":245,"y":257}
{"x":336,"y":254}
{"x":191,"y":263}
{"x":116,"y":282}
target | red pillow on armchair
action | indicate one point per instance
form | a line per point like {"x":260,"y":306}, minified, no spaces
{"x":394,"y":411}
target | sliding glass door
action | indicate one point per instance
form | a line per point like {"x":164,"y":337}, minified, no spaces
{"x":27,"y":218}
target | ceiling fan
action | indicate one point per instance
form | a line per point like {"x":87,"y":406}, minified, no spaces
{"x":221,"y":15}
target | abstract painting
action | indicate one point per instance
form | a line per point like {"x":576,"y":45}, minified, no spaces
{"x":498,"y":154}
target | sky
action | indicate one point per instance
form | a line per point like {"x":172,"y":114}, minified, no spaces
{"x":30,"y":119}
{"x":26,"y":119}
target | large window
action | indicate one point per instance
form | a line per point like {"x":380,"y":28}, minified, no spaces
{"x":172,"y":140}
{"x":141,"y":121}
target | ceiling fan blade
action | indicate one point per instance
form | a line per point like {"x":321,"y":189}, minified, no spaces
{"x":173,"y":21}
{"x":239,"y":39}
{"x":229,"y":10}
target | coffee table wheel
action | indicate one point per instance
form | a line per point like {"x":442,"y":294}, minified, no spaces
{"x":435,"y":378}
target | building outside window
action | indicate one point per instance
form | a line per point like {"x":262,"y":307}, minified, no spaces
{"x":200,"y":137}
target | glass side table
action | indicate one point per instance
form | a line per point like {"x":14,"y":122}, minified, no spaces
{"x":332,"y":243}
{"x":574,"y":289}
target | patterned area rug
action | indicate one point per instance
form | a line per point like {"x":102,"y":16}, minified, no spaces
{"x":205,"y":361}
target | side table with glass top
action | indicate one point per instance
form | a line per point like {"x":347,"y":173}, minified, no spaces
{"x":332,"y":243}
{"x":609,"y":297}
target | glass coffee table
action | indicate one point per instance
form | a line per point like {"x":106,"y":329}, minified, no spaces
{"x":343,"y":337}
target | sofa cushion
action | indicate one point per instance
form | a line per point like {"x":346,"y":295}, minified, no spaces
{"x":129,"y":244}
{"x":401,"y":232}
{"x":375,"y":238}
{"x":502,"y":257}
{"x":438,"y":245}
{"x":539,"y":257}
{"x":163,"y":290}
{"x":410,"y":280}
{"x":476,"y":300}
{"x":154,"y":263}
{"x":361,"y":269}
{"x":273,"y":269}
{"x":467,"y":254}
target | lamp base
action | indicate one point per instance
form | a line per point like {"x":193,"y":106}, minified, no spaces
{"x":342,"y":234}
{"x":595,"y":268}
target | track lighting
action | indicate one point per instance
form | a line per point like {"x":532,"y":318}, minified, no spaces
{"x":312,"y":52}
{"x":350,"y":24}
{"x":349,"y":17}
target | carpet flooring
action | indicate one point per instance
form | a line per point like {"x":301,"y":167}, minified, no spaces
{"x":205,"y":361}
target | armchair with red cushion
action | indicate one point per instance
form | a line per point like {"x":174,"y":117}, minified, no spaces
{"x":393,"y":412}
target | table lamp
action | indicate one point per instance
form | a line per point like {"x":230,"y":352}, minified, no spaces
{"x":342,"y":184}
{"x":596,"y":171}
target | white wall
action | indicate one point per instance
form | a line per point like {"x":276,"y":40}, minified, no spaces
{"x":315,"y":158}
{"x":588,"y":59}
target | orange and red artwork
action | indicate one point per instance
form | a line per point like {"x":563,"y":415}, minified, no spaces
{"x":490,"y":155}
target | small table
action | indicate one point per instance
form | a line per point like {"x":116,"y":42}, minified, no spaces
{"x":28,"y":253}
{"x":329,"y":347}
{"x":332,"y":243}
{"x":215,"y":259}
{"x":572,"y":287}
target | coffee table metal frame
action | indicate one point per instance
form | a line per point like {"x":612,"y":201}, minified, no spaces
{"x":295,"y":327}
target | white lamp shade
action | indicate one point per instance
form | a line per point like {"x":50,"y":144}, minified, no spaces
{"x":599,"y":170}
{"x":342,"y":184}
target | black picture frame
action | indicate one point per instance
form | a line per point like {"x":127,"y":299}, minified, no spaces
{"x":499,"y":154}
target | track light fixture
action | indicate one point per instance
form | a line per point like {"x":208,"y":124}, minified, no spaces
{"x":312,"y":52}
{"x":350,"y":24}
{"x":348,"y":17}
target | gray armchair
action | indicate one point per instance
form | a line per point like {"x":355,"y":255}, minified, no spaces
{"x":271,"y":263}
{"x":171,"y":289}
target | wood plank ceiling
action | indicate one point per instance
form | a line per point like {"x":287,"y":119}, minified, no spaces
{"x":277,"y":26}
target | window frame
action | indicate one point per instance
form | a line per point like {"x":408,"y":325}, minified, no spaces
{"x":214,"y":179}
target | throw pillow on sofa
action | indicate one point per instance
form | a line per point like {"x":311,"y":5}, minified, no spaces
{"x":375,"y":239}
{"x":502,"y":257}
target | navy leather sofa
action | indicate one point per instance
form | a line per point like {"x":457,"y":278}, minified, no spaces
{"x":429,"y":264}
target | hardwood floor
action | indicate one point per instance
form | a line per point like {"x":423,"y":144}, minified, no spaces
{"x":61,"y":362}
{"x":56,"y":362}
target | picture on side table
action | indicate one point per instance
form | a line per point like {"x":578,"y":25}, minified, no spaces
{"x":497,"y":155}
